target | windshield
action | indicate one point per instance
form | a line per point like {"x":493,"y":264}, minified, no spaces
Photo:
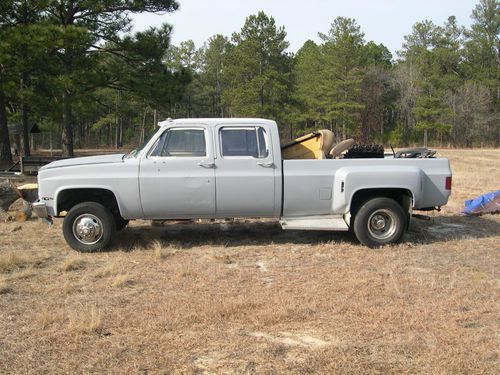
{"x":136,"y":151}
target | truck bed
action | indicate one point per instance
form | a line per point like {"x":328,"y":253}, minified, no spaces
{"x":323,"y":187}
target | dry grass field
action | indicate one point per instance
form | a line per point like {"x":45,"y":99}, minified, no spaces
{"x":247,"y":298}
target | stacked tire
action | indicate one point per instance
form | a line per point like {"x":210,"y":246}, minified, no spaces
{"x":369,"y":151}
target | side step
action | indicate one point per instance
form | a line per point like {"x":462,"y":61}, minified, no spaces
{"x":323,"y":222}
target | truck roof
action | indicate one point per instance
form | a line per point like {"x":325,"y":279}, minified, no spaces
{"x":216,"y":121}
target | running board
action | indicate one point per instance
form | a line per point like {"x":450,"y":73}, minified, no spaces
{"x":323,"y":222}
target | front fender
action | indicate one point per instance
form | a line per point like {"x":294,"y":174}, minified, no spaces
{"x":122,"y":179}
{"x":119,"y":199}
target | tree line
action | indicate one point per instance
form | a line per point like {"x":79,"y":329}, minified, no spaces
{"x":74,"y":68}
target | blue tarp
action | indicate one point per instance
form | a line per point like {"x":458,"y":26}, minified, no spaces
{"x":485,"y":204}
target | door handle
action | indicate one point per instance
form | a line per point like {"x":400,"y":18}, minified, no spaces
{"x":265,"y":165}
{"x":206,"y":165}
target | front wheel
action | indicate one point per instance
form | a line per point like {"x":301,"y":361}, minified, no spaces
{"x":88,"y":227}
{"x":379,"y":221}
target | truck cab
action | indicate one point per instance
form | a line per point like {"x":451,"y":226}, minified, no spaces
{"x":209,"y":170}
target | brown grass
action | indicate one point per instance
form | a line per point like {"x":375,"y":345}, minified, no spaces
{"x":4,"y":286}
{"x":159,"y":251}
{"x":84,"y":321}
{"x":111,"y":268}
{"x":73,"y":263}
{"x":122,"y":280}
{"x":249,"y":298}
{"x":13,"y":261}
{"x":47,"y":318}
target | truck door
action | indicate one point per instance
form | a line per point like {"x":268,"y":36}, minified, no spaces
{"x":245,"y":172}
{"x":177,"y":177}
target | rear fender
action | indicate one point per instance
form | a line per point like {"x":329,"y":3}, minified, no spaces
{"x":350,"y":180}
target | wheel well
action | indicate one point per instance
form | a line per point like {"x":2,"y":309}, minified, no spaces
{"x":66,"y":199}
{"x":403,"y":196}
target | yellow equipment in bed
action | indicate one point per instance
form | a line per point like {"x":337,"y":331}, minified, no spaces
{"x":315,"y":145}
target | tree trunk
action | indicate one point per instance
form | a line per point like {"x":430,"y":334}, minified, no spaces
{"x":67,"y":127}
{"x":5,"y":154}
{"x":116,"y":135}
{"x":382,"y":128}
{"x":87,"y":135}
{"x":110,"y":136}
{"x":344,"y":135}
{"x":29,"y":192}
{"x":50,"y":142}
{"x":406,"y":130}
{"x":25,"y":137}
{"x":143,"y":126}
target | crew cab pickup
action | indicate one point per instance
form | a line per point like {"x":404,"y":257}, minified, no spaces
{"x":227,"y":168}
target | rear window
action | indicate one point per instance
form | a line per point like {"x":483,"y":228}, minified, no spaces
{"x":244,"y":142}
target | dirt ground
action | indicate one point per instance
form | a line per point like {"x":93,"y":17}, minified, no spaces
{"x":248,"y":298}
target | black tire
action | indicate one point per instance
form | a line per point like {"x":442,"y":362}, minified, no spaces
{"x":94,"y":222}
{"x":379,"y":221}
{"x":365,"y":152}
{"x":121,"y":223}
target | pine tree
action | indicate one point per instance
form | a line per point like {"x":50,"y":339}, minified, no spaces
{"x":258,"y":75}
{"x":85,"y":25}
{"x":342,"y":56}
{"x":213,"y":69}
{"x":309,"y":74}
{"x":482,"y":62}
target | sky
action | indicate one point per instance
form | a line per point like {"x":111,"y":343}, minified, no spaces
{"x":383,"y":21}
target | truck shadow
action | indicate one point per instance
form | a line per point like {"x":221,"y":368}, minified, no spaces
{"x":453,"y":227}
{"x":143,"y":235}
{"x":228,"y":234}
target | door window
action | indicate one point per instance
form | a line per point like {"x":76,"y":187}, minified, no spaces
{"x":244,"y":142}
{"x":181,"y":143}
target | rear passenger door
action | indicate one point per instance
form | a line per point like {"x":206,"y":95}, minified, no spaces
{"x":245,"y":172}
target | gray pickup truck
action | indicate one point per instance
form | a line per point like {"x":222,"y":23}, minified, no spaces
{"x":227,"y":168}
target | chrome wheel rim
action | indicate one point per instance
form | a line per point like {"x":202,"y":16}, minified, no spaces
{"x":87,"y":229}
{"x":382,"y":224}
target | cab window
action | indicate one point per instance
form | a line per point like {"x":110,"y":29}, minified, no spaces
{"x":248,"y":141}
{"x":181,"y":143}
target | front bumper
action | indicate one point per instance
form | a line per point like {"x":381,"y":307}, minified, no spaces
{"x":41,"y":211}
